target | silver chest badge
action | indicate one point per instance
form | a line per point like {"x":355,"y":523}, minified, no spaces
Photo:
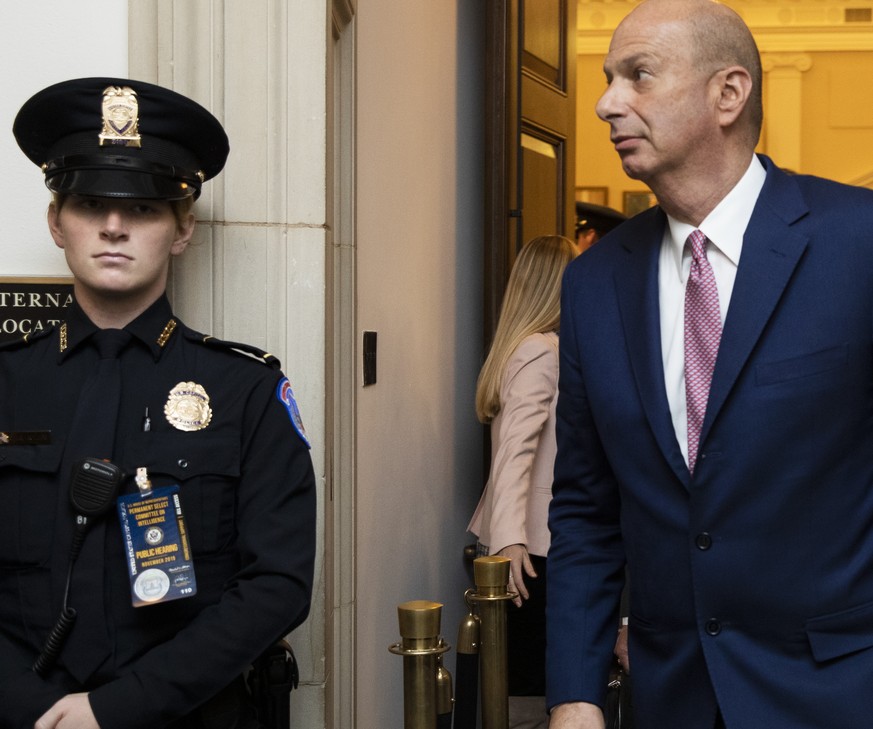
{"x":187,"y":407}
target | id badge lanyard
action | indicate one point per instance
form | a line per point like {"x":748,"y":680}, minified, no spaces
{"x":156,"y":544}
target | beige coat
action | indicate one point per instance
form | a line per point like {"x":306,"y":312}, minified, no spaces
{"x":515,"y":504}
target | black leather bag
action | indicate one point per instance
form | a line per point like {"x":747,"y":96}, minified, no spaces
{"x":618,"y":709}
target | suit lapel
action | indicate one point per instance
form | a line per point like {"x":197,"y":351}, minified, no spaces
{"x":771,"y":251}
{"x":636,"y":284}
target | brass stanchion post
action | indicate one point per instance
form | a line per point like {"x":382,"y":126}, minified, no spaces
{"x":420,"y":645}
{"x":467,"y":668}
{"x":444,"y":701}
{"x":491,"y":575}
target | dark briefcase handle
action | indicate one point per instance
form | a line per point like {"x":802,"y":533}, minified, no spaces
{"x":618,"y":711}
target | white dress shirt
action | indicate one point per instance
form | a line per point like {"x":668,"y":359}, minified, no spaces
{"x":724,"y":228}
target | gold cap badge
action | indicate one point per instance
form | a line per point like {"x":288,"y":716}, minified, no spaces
{"x":120,"y":117}
{"x":187,"y":407}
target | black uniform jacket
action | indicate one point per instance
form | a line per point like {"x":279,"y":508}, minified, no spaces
{"x":248,"y":497}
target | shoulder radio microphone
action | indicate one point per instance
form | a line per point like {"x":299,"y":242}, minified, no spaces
{"x":93,"y":486}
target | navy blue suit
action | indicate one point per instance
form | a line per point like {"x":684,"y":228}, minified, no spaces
{"x":752,"y":581}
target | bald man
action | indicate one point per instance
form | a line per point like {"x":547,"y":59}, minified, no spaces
{"x":715,"y":411}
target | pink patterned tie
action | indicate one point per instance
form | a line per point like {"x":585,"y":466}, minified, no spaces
{"x":702,"y":335}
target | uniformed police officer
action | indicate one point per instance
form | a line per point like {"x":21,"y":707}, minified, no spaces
{"x":593,"y":222}
{"x":157,"y":530}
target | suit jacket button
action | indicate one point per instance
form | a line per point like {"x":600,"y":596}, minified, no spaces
{"x":703,"y":541}
{"x":713,"y":627}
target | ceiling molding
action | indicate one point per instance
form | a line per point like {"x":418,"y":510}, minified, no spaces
{"x":783,"y":41}
{"x":778,"y":26}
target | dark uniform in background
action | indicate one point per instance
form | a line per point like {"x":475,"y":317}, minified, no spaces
{"x":218,"y":421}
{"x":593,"y":222}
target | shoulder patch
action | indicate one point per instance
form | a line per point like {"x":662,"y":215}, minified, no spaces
{"x":246,"y":350}
{"x":285,"y":395}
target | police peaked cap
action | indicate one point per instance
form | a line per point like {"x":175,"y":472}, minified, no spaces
{"x":113,"y":137}
{"x":599,"y":217}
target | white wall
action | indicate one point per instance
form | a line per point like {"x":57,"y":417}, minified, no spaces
{"x":43,"y":42}
{"x":256,"y":269}
{"x":419,"y":243}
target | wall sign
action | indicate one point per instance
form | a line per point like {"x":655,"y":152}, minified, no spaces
{"x":30,"y":305}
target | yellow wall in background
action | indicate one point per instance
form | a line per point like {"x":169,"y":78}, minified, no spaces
{"x":837,"y":117}
{"x":834,"y":137}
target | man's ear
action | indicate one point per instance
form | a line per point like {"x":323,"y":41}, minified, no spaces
{"x":53,"y":216}
{"x":733,"y":86}
{"x":184,"y":232}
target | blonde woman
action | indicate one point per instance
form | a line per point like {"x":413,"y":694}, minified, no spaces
{"x":516,"y":395}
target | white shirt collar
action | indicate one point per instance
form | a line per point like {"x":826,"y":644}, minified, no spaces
{"x":726,"y":225}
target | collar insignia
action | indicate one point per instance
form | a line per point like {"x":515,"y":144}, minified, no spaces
{"x":168,"y":330}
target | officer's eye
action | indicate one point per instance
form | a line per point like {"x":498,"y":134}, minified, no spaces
{"x":88,"y":203}
{"x":148,"y":208}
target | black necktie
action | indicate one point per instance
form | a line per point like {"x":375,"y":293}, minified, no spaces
{"x":92,"y":435}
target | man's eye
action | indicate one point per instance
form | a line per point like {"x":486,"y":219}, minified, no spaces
{"x":640,"y":74}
